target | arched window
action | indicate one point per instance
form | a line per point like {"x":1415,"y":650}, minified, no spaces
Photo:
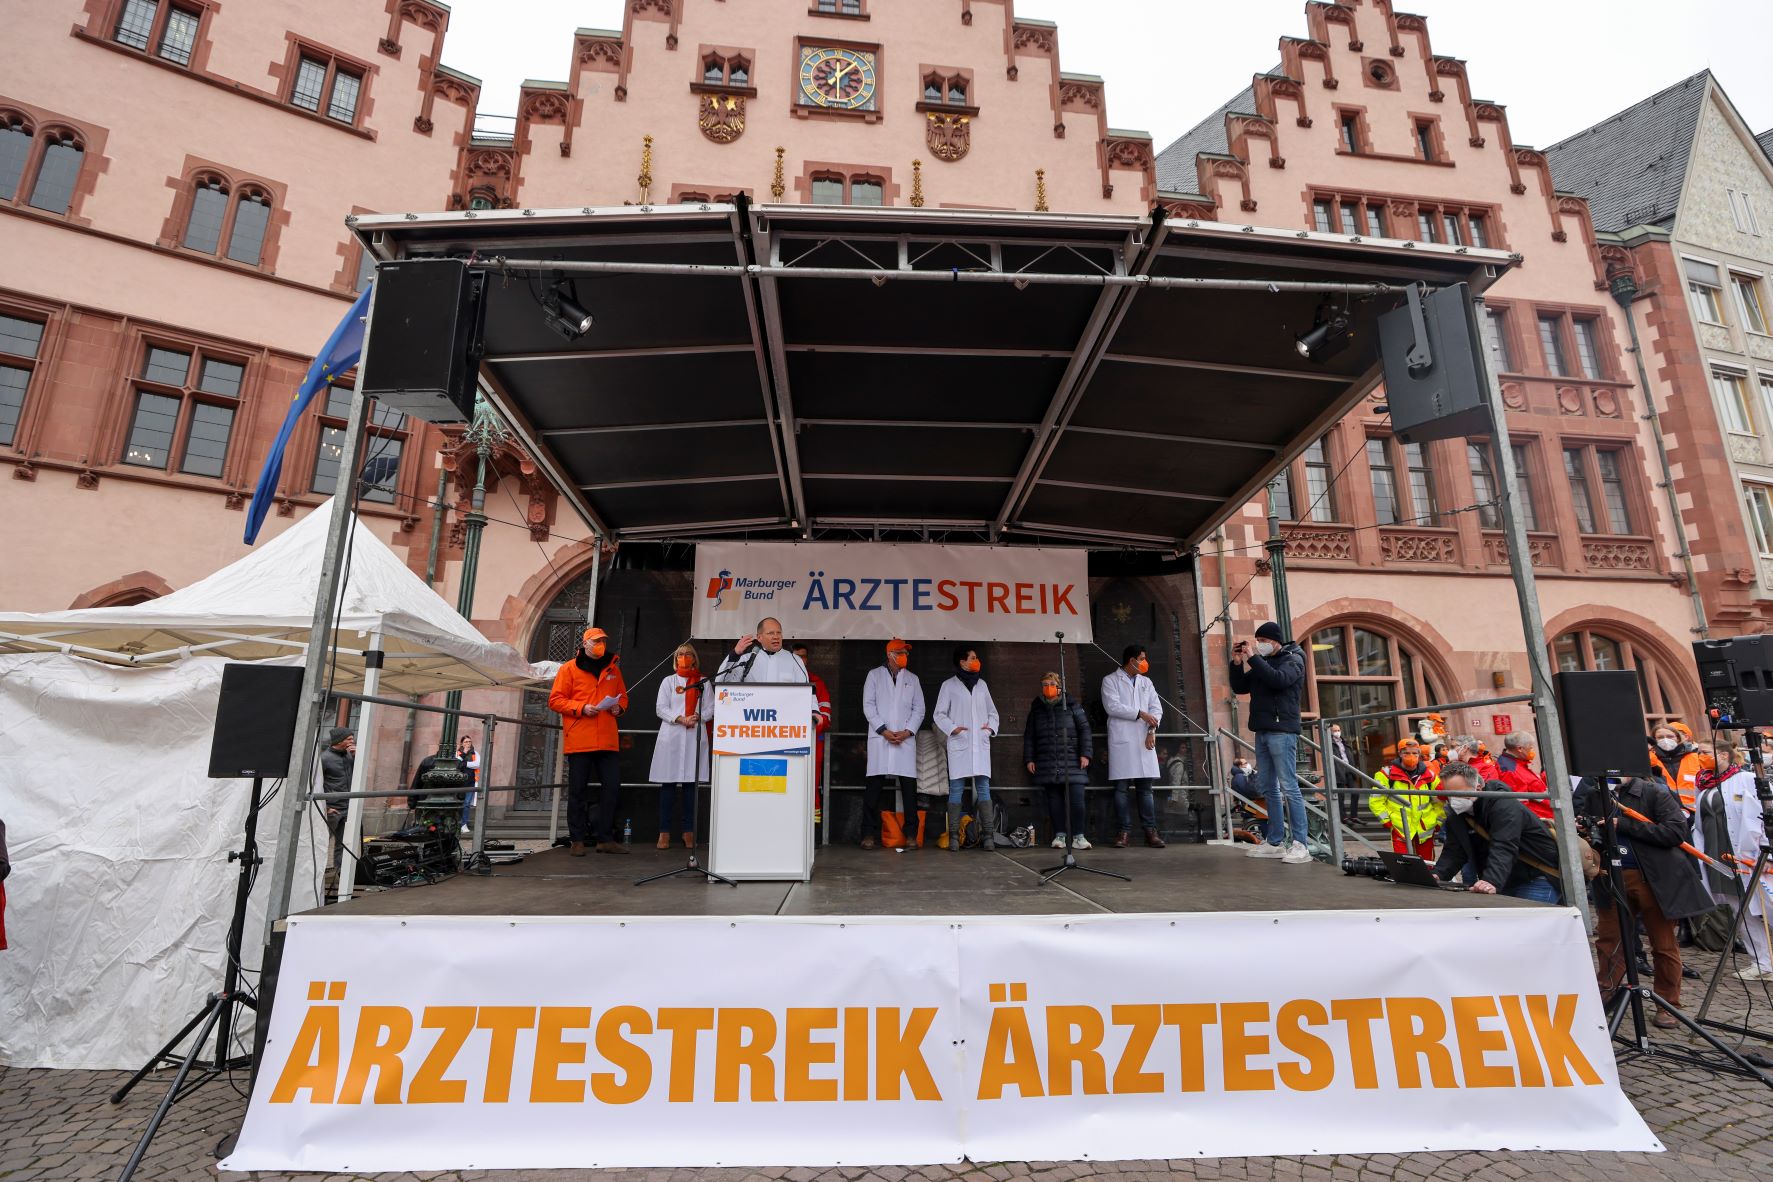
{"x":231,"y":221}
{"x":1357,"y":669}
{"x":1586,"y":648}
{"x":15,"y":152}
{"x":57,"y":171}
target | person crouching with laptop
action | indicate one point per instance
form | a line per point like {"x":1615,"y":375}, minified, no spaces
{"x":1514,"y":851}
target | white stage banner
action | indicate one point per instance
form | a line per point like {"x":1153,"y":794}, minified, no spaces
{"x":440,"y":1043}
{"x":916,"y":591}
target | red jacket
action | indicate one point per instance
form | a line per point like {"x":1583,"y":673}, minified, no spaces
{"x":1486,"y":767}
{"x":574,"y":689}
{"x":1520,"y":777}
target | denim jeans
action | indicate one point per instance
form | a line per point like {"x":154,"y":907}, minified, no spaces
{"x":981,"y":786}
{"x":1539,"y":889}
{"x":1277,"y":755}
{"x":1123,"y":807}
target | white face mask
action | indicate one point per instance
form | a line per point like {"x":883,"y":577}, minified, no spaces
{"x":1668,"y":744}
{"x":1265,"y":648}
{"x":1461,"y":804}
{"x":1335,"y":736}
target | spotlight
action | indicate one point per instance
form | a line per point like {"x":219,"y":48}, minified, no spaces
{"x":563,"y":312}
{"x":1330,"y":333}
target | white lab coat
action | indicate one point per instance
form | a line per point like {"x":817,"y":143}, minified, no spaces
{"x":1123,"y":698}
{"x":969,"y":753}
{"x":1742,"y":811}
{"x":779,"y":666}
{"x":897,"y":705}
{"x":674,"y":755}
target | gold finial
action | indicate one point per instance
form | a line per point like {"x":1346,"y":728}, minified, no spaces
{"x":1040,"y":190}
{"x":646,"y":168}
{"x":778,"y":186}
{"x":917,"y":184}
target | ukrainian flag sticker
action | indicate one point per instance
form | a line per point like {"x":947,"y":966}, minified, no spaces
{"x":763,"y":775}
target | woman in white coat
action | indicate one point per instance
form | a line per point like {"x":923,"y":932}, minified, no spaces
{"x":1727,"y":821}
{"x":967,"y":717}
{"x":892,"y":702}
{"x":1130,"y":701}
{"x":680,"y":757}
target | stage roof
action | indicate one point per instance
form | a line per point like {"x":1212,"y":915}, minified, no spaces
{"x":835,"y":372}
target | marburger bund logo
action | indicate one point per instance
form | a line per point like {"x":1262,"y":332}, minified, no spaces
{"x":728,"y":590}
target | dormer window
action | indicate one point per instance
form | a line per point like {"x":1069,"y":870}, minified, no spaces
{"x":724,"y":68}
{"x":947,"y":86}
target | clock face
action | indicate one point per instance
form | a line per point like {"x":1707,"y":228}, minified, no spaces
{"x":841,"y":79}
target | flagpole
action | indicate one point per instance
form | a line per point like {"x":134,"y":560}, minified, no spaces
{"x":306,"y":752}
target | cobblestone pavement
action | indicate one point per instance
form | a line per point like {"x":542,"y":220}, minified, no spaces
{"x":59,"y":1125}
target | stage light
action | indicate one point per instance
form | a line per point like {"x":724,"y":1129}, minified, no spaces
{"x":563,"y":312}
{"x":1330,"y":333}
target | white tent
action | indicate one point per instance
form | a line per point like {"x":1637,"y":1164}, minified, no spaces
{"x":120,"y":894}
{"x":263,"y":606}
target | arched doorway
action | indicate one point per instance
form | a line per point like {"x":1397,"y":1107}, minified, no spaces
{"x":1661,"y":690}
{"x":1359,"y":667}
{"x":538,"y":751}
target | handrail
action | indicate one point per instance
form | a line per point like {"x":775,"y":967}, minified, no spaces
{"x":1331,"y":821}
{"x":1435,"y":709}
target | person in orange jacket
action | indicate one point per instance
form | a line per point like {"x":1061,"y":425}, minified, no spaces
{"x":589,"y":695}
{"x":821,"y":724}
{"x":1677,"y":761}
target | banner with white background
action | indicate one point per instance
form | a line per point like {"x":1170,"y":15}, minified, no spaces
{"x":916,"y":591}
{"x":447,"y":1043}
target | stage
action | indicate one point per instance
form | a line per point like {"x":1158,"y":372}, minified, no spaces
{"x":847,"y":880}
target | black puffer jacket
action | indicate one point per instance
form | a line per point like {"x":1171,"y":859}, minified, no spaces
{"x":1273,"y":684}
{"x":1672,"y":873}
{"x":1056,"y":736}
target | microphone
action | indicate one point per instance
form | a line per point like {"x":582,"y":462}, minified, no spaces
{"x":1059,"y":636}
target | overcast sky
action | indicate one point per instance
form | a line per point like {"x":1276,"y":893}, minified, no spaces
{"x":1559,"y":65}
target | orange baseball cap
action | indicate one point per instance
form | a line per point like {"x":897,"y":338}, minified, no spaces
{"x":591,"y":634}
{"x":895,"y":645}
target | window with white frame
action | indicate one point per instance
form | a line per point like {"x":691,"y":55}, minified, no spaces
{"x":1760,"y":515}
{"x":1748,"y":300}
{"x":1732,"y":392}
{"x":1705,"y":286}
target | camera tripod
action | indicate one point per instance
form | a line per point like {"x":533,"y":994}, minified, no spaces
{"x":1637,"y":998}
{"x":1763,"y":793}
{"x":217,"y":1013}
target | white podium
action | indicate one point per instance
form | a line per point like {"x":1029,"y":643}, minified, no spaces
{"x":761,"y":783}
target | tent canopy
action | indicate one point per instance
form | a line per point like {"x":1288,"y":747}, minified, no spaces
{"x":837,"y":372}
{"x":263,"y":606}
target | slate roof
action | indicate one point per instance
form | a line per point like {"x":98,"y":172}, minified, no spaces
{"x":1175,"y":164}
{"x":1765,"y":139}
{"x":1631,"y":166}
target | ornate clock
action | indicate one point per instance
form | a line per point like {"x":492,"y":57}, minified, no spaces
{"x":837,"y":79}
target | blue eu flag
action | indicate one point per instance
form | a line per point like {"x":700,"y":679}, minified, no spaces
{"x":340,"y":353}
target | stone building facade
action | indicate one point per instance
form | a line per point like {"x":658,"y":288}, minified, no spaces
{"x":1397,"y":570}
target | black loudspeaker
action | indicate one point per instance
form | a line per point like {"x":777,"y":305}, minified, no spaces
{"x":1448,"y":397}
{"x":1603,"y":723}
{"x":1736,"y":677}
{"x":255,"y":721}
{"x":424,"y":338}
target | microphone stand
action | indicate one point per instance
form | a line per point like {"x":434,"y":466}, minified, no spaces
{"x":691,"y":866}
{"x":1757,"y":767}
{"x":1070,"y":861}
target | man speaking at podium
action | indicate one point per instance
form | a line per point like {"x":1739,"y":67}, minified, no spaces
{"x":760,"y":657}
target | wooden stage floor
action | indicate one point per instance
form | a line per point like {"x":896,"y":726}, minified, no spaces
{"x":851,"y":881}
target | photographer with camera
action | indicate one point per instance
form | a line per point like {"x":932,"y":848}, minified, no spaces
{"x":1662,"y":884}
{"x":1513,"y":851}
{"x":1272,"y":672}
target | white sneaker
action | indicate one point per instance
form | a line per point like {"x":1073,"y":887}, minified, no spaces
{"x":1752,"y":973}
{"x":1058,"y":841}
{"x":1080,"y":842}
{"x":1264,"y":850}
{"x":465,"y":829}
{"x":1296,"y":854}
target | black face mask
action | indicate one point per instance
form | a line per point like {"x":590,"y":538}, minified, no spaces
{"x":594,"y":665}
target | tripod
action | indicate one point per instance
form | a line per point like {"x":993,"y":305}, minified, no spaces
{"x":1070,"y":758}
{"x":1634,"y":993}
{"x":1763,"y":793}
{"x":691,"y":866}
{"x":217,"y":1013}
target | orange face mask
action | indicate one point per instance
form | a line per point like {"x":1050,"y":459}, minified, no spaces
{"x":1410,"y":762}
{"x":596,"y":650}
{"x":1142,"y":666}
{"x":971,"y":666}
{"x":1708,"y":763}
{"x":686,"y":665}
{"x":898,"y":658}
{"x":1049,"y":692}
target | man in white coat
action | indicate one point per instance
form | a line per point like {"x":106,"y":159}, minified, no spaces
{"x":967,"y":717}
{"x":761,"y":657}
{"x":680,"y":756}
{"x":1728,"y":821}
{"x":1130,"y":701}
{"x":892,"y":702}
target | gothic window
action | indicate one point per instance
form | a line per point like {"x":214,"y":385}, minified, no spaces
{"x":383,"y":444}
{"x":1357,"y":669}
{"x":1591,"y":648}
{"x":325,"y":85}
{"x":229,"y":221}
{"x":20,"y":340}
{"x":58,"y":168}
{"x":185,"y":402}
{"x":167,"y":30}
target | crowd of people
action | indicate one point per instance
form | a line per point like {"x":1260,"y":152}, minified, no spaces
{"x":1057,"y":741}
{"x":1686,"y":834}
